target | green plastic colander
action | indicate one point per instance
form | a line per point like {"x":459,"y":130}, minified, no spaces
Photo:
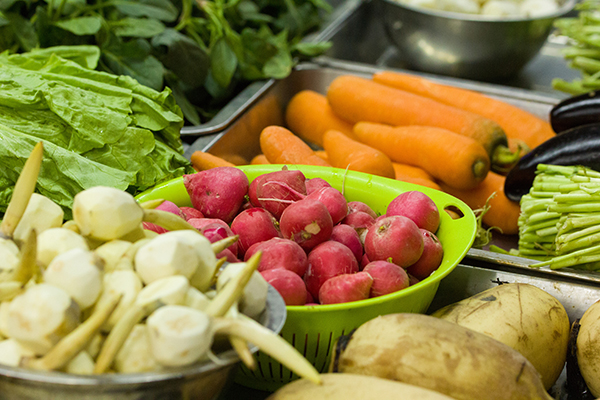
{"x":313,"y":330}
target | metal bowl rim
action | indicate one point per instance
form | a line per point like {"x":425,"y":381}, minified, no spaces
{"x":275,"y":316}
{"x":567,"y":6}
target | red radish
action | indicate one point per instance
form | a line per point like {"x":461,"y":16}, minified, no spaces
{"x":252,"y":195}
{"x":217,"y":192}
{"x":216,"y":231}
{"x":279,"y":253}
{"x":252,"y":226}
{"x":413,"y":280}
{"x":277,"y":190}
{"x":191,"y":212}
{"x":364,"y":261}
{"x":359,"y":220}
{"x":200,"y":223}
{"x":289,"y":285}
{"x":309,"y":298}
{"x":164,"y":206}
{"x":346,"y":235}
{"x":229,"y":256}
{"x":334,"y":200}
{"x":306,"y":222}
{"x":360,"y":206}
{"x":314,"y":184}
{"x":417,"y":206}
{"x":397,"y":238}
{"x":430,"y":260}
{"x":387,"y":277}
{"x":325,"y":261}
{"x":346,"y":288}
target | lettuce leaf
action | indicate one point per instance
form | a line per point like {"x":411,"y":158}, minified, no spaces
{"x":97,"y":128}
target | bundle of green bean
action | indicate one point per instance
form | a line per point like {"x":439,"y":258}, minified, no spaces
{"x":560,"y":218}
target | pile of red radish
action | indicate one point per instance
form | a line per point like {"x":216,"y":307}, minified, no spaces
{"x":317,"y":248}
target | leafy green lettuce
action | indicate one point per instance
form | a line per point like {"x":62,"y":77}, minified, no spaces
{"x":97,"y":128}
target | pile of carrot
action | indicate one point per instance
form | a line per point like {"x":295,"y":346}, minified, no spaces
{"x":408,"y":128}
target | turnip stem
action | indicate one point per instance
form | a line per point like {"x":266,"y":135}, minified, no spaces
{"x":269,"y":343}
{"x":167,"y":220}
{"x":234,"y":288}
{"x":151,"y":204}
{"x":24,"y":188}
{"x":69,"y":346}
{"x":222,"y":244}
{"x":581,"y":207}
{"x":574,"y":256}
{"x":120,"y":331}
{"x":27,"y":266}
{"x":9,"y":289}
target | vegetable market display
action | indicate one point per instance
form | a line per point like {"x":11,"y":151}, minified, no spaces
{"x":204,"y":51}
{"x":106,"y":296}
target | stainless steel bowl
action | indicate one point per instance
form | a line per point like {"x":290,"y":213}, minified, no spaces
{"x":203,"y":381}
{"x":464,"y":45}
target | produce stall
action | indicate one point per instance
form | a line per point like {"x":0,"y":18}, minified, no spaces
{"x":292,"y":214}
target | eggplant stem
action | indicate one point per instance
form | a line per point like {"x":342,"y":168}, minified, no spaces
{"x":24,"y":188}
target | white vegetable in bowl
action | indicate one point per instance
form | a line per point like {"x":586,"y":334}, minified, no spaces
{"x":125,"y":283}
{"x":167,"y":255}
{"x":41,"y":214}
{"x":500,"y":8}
{"x":81,"y":364}
{"x":459,"y":6}
{"x":254,"y":298}
{"x":12,"y":352}
{"x":9,"y":254}
{"x":41,"y":316}
{"x":112,"y":252}
{"x":135,"y":355}
{"x":77,"y":272}
{"x":55,"y":241}
{"x":538,"y":8}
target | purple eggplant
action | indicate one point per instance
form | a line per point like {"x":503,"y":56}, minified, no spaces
{"x":575,"y":146}
{"x":575,"y":111}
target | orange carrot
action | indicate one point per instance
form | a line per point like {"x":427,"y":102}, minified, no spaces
{"x":344,"y":152}
{"x":281,"y":146}
{"x":358,"y":99}
{"x":419,"y":181}
{"x":202,"y":161}
{"x":411,"y":171}
{"x":322,"y":154}
{"x":457,"y":160}
{"x":516,"y":122}
{"x":503,"y":213}
{"x":259,"y":160}
{"x":309,"y":116}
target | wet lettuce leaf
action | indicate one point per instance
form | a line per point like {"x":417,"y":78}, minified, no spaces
{"x":97,"y":128}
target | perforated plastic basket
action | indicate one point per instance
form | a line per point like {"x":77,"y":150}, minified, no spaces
{"x":313,"y":330}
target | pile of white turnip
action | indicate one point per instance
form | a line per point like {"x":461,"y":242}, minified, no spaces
{"x":317,"y":247}
{"x":100,"y":294}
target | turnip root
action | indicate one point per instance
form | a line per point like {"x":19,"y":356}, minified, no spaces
{"x":9,"y":254}
{"x":588,"y":348}
{"x":387,"y":277}
{"x":55,"y":241}
{"x":166,"y":255}
{"x":522,"y":316}
{"x":41,"y":316}
{"x":306,"y":222}
{"x":12,"y":352}
{"x":397,"y":238}
{"x":280,"y":253}
{"x":439,"y":355}
{"x":314,"y":184}
{"x":41,"y":214}
{"x":334,"y":200}
{"x":254,"y":297}
{"x":77,"y":272}
{"x":217,"y":192}
{"x":112,"y":252}
{"x":346,"y":288}
{"x":124,"y":283}
{"x":325,"y":261}
{"x":275,"y":191}
{"x":352,"y":386}
{"x":81,"y":364}
{"x":348,"y":236}
{"x":135,"y":356}
{"x":254,"y":225}
{"x":289,"y":285}
{"x":431,"y":258}
{"x":418,"y":207}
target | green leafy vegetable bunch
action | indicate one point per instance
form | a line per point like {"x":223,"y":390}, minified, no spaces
{"x":204,"y":51}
